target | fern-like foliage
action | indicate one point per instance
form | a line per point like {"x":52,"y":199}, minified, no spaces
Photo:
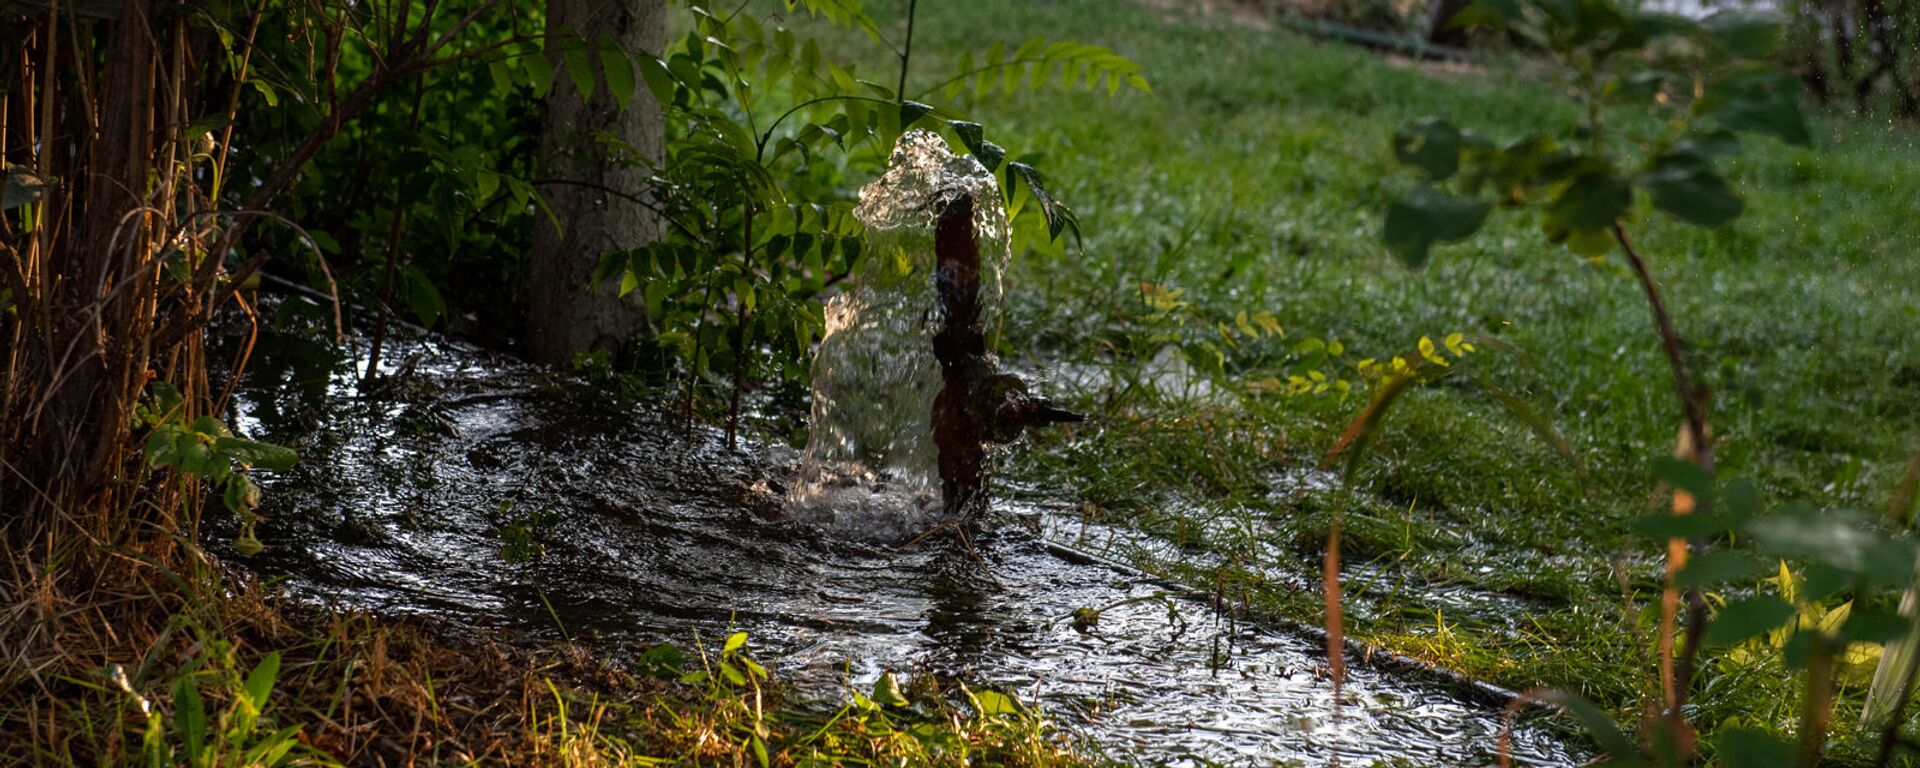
{"x":1037,"y":62}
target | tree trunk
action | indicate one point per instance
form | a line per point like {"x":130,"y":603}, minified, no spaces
{"x":77,"y":352}
{"x":1439,"y":12}
{"x":589,"y":183}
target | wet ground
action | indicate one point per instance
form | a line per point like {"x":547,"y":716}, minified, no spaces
{"x":499,"y":498}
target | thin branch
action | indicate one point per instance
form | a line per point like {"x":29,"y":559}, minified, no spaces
{"x":984,"y":68}
{"x":1692,"y":405}
{"x":1690,"y":399}
{"x":768,"y":136}
{"x":906,"y":55}
{"x":627,"y":196}
{"x":458,"y":26}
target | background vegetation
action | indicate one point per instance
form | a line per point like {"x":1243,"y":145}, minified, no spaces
{"x":1201,"y":265}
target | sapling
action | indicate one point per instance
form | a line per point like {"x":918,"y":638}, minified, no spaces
{"x":1685,"y":89}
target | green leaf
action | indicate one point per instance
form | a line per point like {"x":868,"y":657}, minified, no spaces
{"x":994,"y":703}
{"x":485,"y":183}
{"x":1426,"y":216}
{"x":423,"y":297}
{"x":971,"y":134}
{"x":659,"y":80}
{"x":911,"y":111}
{"x":21,"y":187}
{"x":539,"y":72}
{"x":1606,"y":734}
{"x":1759,"y":101}
{"x":190,"y":716}
{"x":195,"y":457}
{"x":272,"y":749}
{"x":1662,"y":526}
{"x":1720,"y":567}
{"x":266,"y":92}
{"x":1841,"y":540}
{"x":163,"y":446}
{"x":974,"y":138}
{"x":1687,"y":187}
{"x":1496,"y":14}
{"x":610,"y":264}
{"x":1748,"y":618}
{"x":260,"y":680}
{"x":1684,"y":475}
{"x":580,"y":68}
{"x":247,"y":544}
{"x":257,"y":454}
{"x":1739,"y":747}
{"x":735,"y":642}
{"x":759,"y":749}
{"x":1871,"y":624}
{"x":1593,"y":200}
{"x":1431,"y":144}
{"x":619,"y":72}
{"x":1059,"y":217}
{"x":1740,"y":499}
{"x":663,"y":660}
{"x":1591,"y":243}
{"x":886,"y":691}
{"x":1745,"y":34}
{"x":208,"y":425}
{"x":990,"y":155}
{"x":502,"y":77}
{"x":241,"y":496}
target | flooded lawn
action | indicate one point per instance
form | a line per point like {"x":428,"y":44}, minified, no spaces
{"x":499,"y":499}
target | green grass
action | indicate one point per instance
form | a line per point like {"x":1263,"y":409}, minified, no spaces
{"x":1255,"y":179}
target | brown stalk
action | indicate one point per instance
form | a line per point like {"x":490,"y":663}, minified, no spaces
{"x":1336,"y":634}
{"x":1693,"y":407}
{"x":1816,"y":705}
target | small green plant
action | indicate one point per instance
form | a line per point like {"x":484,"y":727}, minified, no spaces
{"x":763,"y":131}
{"x":205,"y":449}
{"x":525,"y":532}
{"x":230,"y":729}
{"x":1693,"y":87}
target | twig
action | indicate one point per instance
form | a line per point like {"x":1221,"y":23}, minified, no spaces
{"x":906,"y":55}
{"x":1692,"y":405}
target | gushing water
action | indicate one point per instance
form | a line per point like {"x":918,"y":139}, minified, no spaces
{"x":871,"y":464}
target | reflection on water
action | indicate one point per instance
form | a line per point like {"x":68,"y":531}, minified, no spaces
{"x":402,"y":506}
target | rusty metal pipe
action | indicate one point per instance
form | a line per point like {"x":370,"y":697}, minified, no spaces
{"x":978,"y":404}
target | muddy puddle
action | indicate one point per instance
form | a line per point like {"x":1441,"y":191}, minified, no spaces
{"x":494,"y":497}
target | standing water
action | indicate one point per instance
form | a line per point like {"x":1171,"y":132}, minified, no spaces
{"x":495,"y":497}
{"x":414,"y":507}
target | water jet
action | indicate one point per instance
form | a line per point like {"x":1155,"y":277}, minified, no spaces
{"x":908,"y":399}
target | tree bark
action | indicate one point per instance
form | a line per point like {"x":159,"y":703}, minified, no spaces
{"x":566,"y":313}
{"x":78,"y":349}
{"x":1439,"y":12}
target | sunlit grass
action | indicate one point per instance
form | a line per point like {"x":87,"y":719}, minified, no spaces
{"x":1254,"y":179}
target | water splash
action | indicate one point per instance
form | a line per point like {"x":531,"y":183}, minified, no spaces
{"x":871,"y":466}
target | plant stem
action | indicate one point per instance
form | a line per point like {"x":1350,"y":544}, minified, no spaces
{"x":1691,"y":404}
{"x":740,"y":335}
{"x":398,"y":223}
{"x":1330,"y":592}
{"x":1816,"y":706}
{"x":1693,"y":407}
{"x":1890,"y":736}
{"x":906,"y":52}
